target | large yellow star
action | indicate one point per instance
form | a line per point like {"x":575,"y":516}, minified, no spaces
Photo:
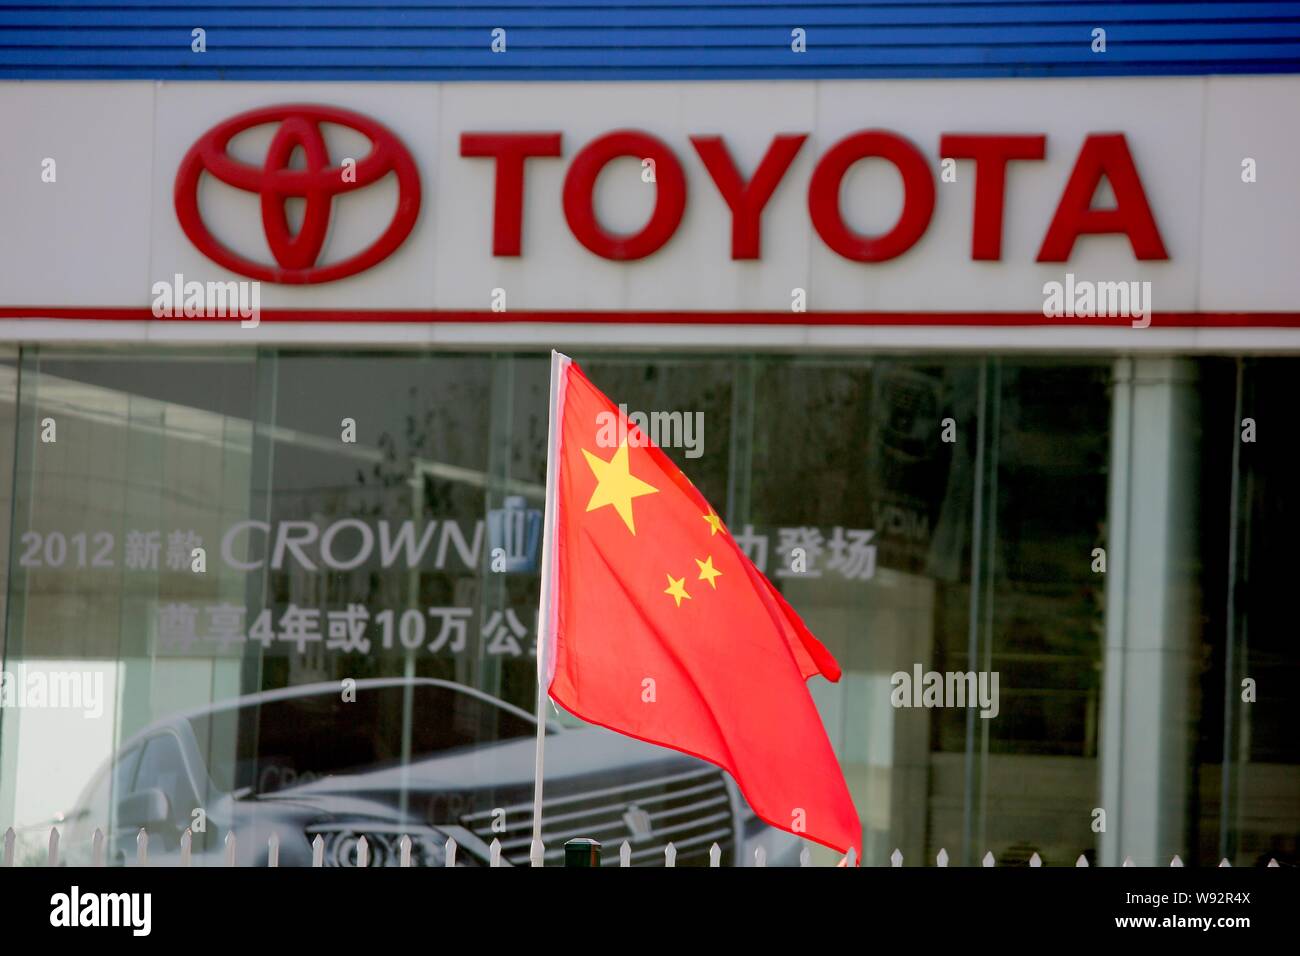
{"x":616,"y":485}
{"x":677,"y":589}
{"x":708,"y":572}
{"x":715,"y":523}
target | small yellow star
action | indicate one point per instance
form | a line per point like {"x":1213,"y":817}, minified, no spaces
{"x":616,"y":485}
{"x":708,"y":572}
{"x":677,"y":589}
{"x":715,"y":523}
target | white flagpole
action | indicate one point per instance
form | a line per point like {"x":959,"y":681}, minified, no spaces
{"x":558,"y":365}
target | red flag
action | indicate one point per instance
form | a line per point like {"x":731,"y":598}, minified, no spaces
{"x":658,"y":626}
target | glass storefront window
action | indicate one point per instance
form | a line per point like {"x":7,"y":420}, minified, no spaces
{"x":355,"y":656}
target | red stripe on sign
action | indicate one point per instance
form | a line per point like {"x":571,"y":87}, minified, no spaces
{"x":1176,"y":320}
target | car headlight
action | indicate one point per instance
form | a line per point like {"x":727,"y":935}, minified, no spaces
{"x":383,"y":843}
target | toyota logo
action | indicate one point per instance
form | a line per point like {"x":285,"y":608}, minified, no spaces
{"x":298,"y":126}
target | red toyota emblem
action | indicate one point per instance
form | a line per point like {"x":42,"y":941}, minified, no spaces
{"x":296,"y":256}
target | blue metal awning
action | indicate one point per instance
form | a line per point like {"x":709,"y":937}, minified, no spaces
{"x":651,"y":40}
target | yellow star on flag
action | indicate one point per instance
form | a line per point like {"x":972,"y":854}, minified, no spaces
{"x":715,"y":523}
{"x":708,"y":572}
{"x":677,"y":589}
{"x":616,"y":485}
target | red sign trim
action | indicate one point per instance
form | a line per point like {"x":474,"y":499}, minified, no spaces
{"x":1169,"y":320}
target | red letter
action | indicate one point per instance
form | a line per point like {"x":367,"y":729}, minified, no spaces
{"x":579,"y":201}
{"x":824,"y":196}
{"x":510,"y":150}
{"x":1103,"y":154}
{"x":747,"y":200}
{"x":991,"y":154}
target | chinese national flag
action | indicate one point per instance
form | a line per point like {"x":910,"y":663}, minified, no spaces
{"x":659,"y":627}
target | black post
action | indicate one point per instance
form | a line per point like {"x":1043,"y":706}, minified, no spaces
{"x":582,"y":852}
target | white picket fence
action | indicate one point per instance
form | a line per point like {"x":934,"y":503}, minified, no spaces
{"x":536,"y":853}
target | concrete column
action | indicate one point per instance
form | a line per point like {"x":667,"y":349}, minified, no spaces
{"x":1152,"y":608}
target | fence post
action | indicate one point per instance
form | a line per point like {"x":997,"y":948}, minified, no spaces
{"x":142,"y":848}
{"x":404,"y":851}
{"x":53,"y":859}
{"x":625,"y":854}
{"x":942,"y":858}
{"x":494,"y":853}
{"x":318,"y":851}
{"x":581,"y":852}
{"x":187,"y":846}
{"x":273,"y":850}
{"x":670,"y":855}
{"x":896,"y":858}
{"x":451,"y":851}
{"x":363,"y":853}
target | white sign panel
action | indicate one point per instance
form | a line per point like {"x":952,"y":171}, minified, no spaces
{"x":995,"y":203}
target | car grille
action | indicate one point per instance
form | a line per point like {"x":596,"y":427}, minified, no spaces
{"x":692,"y":809}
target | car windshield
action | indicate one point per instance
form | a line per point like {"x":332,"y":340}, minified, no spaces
{"x":283,"y":743}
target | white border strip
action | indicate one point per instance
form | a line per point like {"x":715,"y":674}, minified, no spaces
{"x":657,"y":337}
